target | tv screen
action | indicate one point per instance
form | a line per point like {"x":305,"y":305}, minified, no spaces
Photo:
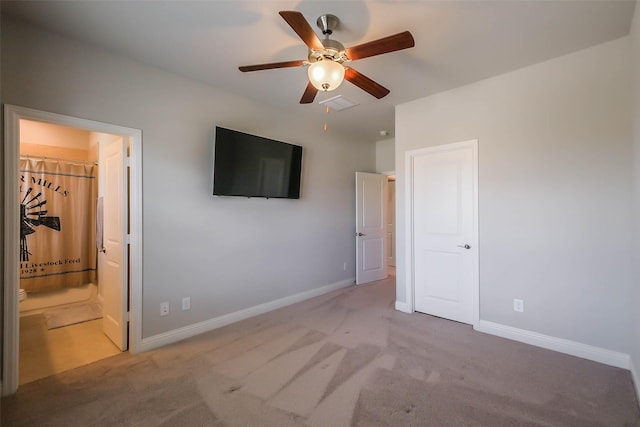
{"x":253,"y":166}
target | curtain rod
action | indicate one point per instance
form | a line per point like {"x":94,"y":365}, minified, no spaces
{"x":31,"y":156}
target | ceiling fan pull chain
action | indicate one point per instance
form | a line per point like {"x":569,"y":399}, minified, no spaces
{"x":325,"y":123}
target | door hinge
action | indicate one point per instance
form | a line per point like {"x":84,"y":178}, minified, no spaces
{"x":129,"y":316}
{"x":127,"y":162}
{"x":128,"y":239}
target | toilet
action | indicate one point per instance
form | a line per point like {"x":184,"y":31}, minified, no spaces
{"x":22,"y":295}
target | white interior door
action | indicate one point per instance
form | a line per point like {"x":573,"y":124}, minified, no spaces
{"x":115,"y":271}
{"x":371,"y":262}
{"x":445,"y":254}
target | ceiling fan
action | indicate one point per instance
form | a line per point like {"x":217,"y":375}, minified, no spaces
{"x":327,"y":57}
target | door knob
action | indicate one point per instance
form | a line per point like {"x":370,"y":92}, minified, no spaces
{"x":360,"y":234}
{"x":466,"y":246}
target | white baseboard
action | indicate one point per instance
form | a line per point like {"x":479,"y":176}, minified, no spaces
{"x":403,"y":306}
{"x":180,"y":334}
{"x":597,"y":354}
{"x":635,"y":376}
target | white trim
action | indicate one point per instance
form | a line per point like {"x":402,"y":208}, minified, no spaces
{"x":409,"y":156}
{"x":408,"y":233}
{"x":585,"y":351}
{"x":635,"y":376}
{"x":404,"y":307}
{"x":11,"y":326}
{"x":135,"y":240}
{"x":180,"y":334}
{"x":11,"y":334}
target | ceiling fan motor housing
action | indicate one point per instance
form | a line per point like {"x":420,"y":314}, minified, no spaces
{"x":333,"y":51}
{"x":327,"y":23}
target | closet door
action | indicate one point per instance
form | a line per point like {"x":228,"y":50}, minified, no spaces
{"x":443,"y":217}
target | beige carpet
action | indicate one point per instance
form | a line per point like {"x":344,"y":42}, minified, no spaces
{"x":343,"y":359}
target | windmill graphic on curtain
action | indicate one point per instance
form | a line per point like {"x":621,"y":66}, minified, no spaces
{"x":32,"y":215}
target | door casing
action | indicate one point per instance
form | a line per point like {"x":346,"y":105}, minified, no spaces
{"x":391,"y":221}
{"x":11,"y":231}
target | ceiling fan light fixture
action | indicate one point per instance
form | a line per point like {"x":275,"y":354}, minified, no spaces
{"x":326,"y":57}
{"x":326,"y":75}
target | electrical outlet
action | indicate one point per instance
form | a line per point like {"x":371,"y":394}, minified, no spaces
{"x":518,"y":305}
{"x":186,"y":303}
{"x":344,"y":266}
{"x":164,"y":308}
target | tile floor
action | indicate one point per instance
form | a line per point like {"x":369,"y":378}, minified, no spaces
{"x":46,"y":352}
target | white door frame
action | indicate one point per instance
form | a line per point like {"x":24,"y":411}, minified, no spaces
{"x":408,"y":217}
{"x":391,"y":211}
{"x":11,"y":228}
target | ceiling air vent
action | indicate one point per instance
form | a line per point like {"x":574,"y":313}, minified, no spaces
{"x":338,"y":103}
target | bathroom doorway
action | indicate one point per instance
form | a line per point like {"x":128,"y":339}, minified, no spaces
{"x":61,"y":306}
{"x":58,"y":147}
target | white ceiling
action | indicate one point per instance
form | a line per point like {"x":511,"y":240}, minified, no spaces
{"x":457,"y":42}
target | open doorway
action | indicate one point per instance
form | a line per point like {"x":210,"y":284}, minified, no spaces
{"x":61,"y":291}
{"x":375,"y":226}
{"x":22,"y":343}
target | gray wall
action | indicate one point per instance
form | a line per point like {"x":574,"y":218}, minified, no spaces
{"x":227,"y":254}
{"x":385,"y":155}
{"x":555,"y":186}
{"x":635,"y":54}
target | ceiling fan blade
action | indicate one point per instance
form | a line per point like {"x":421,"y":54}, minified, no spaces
{"x":271,"y":65}
{"x":365,"y":83}
{"x":388,"y":44}
{"x":309,"y":94}
{"x":302,"y":28}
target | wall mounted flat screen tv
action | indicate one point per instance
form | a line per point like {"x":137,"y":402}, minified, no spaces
{"x":252,"y":166}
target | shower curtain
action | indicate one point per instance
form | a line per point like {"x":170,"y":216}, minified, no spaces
{"x":57,"y":224}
